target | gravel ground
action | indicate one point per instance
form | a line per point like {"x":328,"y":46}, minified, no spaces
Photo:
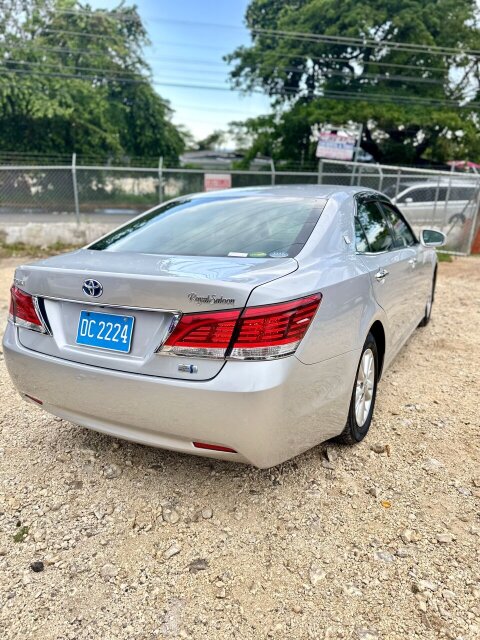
{"x":102,"y":539}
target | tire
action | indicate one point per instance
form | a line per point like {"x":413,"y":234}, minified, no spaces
{"x":428,"y":307}
{"x":355,"y":430}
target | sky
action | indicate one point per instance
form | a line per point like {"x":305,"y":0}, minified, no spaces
{"x":187,"y":48}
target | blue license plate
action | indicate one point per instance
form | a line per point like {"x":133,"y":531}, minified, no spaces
{"x":105,"y":331}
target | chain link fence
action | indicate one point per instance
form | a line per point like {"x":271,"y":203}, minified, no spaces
{"x":445,"y":200}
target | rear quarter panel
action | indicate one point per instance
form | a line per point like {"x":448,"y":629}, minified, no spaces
{"x":329,"y":265}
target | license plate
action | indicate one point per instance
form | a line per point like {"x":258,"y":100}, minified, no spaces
{"x":105,"y":331}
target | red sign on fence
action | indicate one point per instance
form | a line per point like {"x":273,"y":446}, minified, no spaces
{"x":215,"y":181}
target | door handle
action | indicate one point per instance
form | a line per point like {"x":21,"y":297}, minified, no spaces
{"x":381,"y":274}
{"x":413,"y":262}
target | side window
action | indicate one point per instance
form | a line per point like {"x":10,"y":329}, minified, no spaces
{"x":375,"y":227}
{"x":461,"y":193}
{"x":419,"y":194}
{"x":403,"y":234}
{"x":361,"y":244}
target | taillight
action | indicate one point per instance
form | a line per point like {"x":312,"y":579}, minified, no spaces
{"x":274,"y":331}
{"x":24,"y":311}
{"x":204,"y":335}
{"x":257,"y":333}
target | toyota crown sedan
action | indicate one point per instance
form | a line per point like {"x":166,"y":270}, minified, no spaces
{"x":247,"y":325}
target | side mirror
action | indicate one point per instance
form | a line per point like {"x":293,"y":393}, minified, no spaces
{"x":408,"y":200}
{"x":432,"y":238}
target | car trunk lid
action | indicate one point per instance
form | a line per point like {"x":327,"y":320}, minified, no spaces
{"x":151,"y":289}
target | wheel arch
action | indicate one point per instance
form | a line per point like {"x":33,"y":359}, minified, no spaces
{"x":434,"y":281}
{"x":378,"y":332}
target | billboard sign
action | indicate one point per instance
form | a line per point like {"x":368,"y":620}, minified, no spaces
{"x":337,"y":145}
{"x":216,"y":181}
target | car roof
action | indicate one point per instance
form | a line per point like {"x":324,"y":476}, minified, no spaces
{"x":443,"y":181}
{"x":321,"y":191}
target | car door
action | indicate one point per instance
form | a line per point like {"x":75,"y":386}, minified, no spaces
{"x":388,"y":265}
{"x":419,"y":278}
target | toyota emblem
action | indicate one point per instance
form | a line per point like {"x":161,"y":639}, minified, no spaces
{"x":92,"y":288}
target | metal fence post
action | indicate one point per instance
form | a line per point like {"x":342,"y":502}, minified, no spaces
{"x":397,"y":185}
{"x":320,"y":171}
{"x":160,"y":180}
{"x":359,"y":175}
{"x":352,"y":177}
{"x":75,"y":187}
{"x":437,"y":191}
{"x":447,"y":197}
{"x":471,"y":235}
{"x":272,"y":166}
{"x":380,"y":175}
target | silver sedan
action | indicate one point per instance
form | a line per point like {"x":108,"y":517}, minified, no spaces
{"x":248,"y":324}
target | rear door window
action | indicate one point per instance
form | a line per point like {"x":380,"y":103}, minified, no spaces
{"x":375,"y":227}
{"x":361,"y":243}
{"x":404,"y":236}
{"x":253,"y":226}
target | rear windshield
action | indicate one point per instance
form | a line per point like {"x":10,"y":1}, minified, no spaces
{"x":240,"y":227}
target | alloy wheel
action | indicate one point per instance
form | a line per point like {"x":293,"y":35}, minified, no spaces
{"x":364,"y":387}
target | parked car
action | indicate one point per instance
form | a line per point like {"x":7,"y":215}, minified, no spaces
{"x":248,"y":324}
{"x":441,"y":203}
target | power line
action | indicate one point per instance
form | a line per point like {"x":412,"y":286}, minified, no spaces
{"x":330,"y":72}
{"x":368,"y":42}
{"x":60,"y":66}
{"x":80,"y":33}
{"x":309,"y":36}
{"x":314,"y":59}
{"x":102,"y":13}
{"x":73,"y":76}
{"x":370,"y":97}
{"x":366,"y":97}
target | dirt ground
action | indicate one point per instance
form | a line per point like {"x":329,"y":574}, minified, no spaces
{"x":376,"y":542}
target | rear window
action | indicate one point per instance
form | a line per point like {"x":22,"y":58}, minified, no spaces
{"x":240,"y":227}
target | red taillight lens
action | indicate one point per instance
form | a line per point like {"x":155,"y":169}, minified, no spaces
{"x":275,"y":330}
{"x":23,"y":312}
{"x":204,"y":335}
{"x":259,"y":333}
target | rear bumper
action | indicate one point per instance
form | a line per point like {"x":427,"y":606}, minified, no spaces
{"x":266,"y":411}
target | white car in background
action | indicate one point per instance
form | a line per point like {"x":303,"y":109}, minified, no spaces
{"x":443,"y":202}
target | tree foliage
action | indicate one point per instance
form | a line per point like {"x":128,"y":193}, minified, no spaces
{"x":213,"y":141}
{"x":74,"y":79}
{"x":418,"y":103}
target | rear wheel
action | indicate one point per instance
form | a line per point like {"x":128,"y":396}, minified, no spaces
{"x":362,"y":402}
{"x":428,"y":307}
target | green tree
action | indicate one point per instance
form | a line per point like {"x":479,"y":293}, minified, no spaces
{"x":324,"y":62}
{"x":74,"y":79}
{"x":212,"y":141}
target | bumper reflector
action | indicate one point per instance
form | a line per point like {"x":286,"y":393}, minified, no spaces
{"x":213,"y":447}
{"x":36,"y":400}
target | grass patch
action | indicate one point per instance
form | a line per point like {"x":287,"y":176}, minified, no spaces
{"x":444,"y":257}
{"x":21,"y":250}
{"x":21,"y":534}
